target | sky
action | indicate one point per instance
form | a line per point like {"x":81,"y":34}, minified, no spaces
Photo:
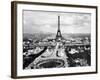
{"x":47,"y":22}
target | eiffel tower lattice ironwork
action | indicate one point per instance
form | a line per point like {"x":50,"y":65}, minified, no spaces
{"x":58,"y":35}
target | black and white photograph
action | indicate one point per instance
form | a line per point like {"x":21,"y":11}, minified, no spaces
{"x":53,"y":39}
{"x":56,"y":39}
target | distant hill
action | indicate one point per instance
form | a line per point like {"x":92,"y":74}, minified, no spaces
{"x":76,"y":35}
{"x":41,"y":36}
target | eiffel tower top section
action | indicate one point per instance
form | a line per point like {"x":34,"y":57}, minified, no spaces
{"x":58,"y":23}
{"x":58,"y":35}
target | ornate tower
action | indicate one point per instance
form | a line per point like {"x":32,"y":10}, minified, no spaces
{"x":58,"y":35}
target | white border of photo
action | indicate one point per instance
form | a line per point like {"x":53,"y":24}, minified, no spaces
{"x":21,"y":72}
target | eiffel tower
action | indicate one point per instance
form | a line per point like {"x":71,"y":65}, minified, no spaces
{"x":58,"y":35}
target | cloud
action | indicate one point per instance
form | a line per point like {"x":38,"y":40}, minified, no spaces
{"x":40,"y":21}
